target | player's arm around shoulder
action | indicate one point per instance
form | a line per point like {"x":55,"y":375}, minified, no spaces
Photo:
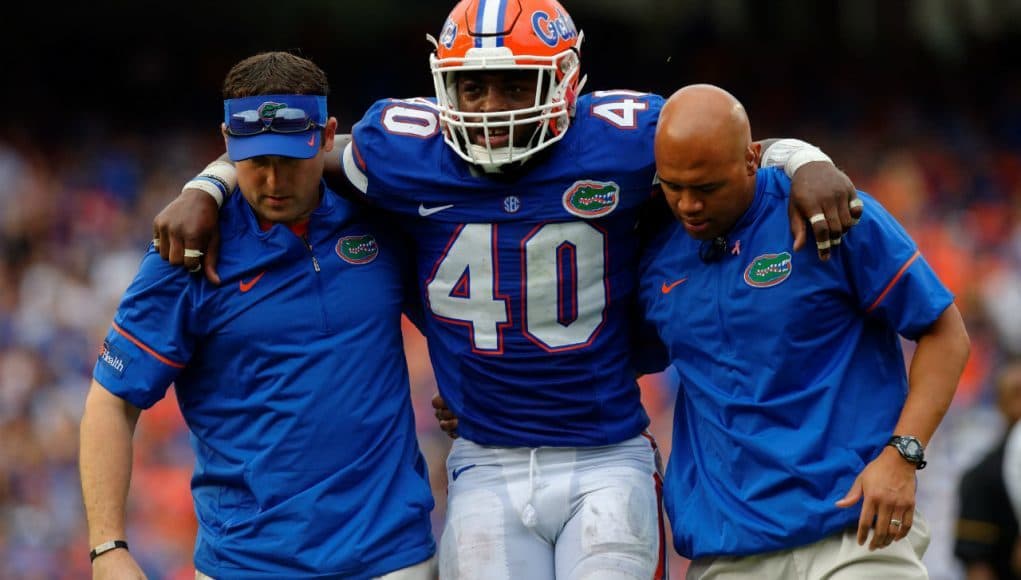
{"x":185,"y":231}
{"x":822,"y":196}
{"x":395,"y":139}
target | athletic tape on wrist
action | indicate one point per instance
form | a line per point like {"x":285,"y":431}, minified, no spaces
{"x":799,"y":158}
{"x":218,"y":179}
{"x":791,"y":154}
{"x":207,"y":186}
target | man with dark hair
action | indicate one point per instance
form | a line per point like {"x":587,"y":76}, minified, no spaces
{"x":307,"y":463}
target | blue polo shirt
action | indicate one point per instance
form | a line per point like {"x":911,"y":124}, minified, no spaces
{"x":291,"y":378}
{"x":792,"y":374}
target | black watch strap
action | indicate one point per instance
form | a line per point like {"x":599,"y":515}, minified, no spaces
{"x":106,"y":547}
{"x":910,"y":448}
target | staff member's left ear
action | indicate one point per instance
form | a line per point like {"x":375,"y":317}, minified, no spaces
{"x":751,"y":158}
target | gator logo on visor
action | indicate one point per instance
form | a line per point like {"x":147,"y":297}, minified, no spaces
{"x":357,"y":249}
{"x":268,"y":110}
{"x":768,"y":270}
{"x":591,"y":199}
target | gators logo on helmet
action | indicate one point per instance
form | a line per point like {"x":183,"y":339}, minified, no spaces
{"x":449,"y":34}
{"x":553,"y":29}
{"x":537,"y":36}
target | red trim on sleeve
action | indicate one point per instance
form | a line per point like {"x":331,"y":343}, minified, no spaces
{"x":139,"y":344}
{"x":894,"y":281}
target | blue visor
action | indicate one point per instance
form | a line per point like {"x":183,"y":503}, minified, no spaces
{"x":285,"y":125}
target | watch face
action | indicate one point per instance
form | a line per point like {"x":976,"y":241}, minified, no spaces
{"x":912,"y":448}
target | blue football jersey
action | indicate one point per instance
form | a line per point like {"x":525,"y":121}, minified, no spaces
{"x":529,"y":281}
{"x":791,"y":369}
{"x":291,"y":378}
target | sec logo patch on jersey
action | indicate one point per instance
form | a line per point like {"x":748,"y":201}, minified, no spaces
{"x":511,"y":204}
{"x":591,"y":199}
{"x":357,"y":249}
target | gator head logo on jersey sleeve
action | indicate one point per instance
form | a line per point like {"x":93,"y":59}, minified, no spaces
{"x":768,"y":270}
{"x":357,"y":249}
{"x":494,"y":36}
{"x":591,"y":199}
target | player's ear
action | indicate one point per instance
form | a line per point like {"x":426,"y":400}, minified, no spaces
{"x":223,"y":131}
{"x":329,"y":132}
{"x":751,"y":157}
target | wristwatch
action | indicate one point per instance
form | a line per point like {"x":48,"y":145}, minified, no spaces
{"x":910,"y":448}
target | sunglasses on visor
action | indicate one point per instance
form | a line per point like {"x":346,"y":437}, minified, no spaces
{"x":282,"y":120}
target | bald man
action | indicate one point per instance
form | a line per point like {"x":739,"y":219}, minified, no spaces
{"x":798,"y":433}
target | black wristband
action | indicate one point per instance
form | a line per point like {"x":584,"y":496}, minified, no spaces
{"x":106,"y":547}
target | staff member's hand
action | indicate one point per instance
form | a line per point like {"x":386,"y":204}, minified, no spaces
{"x":445,"y":417}
{"x":116,"y":565}
{"x":887,"y":485}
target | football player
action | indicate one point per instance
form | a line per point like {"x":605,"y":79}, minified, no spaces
{"x":522,"y":196}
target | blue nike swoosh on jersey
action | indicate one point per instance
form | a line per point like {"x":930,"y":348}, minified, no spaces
{"x":457,"y":472}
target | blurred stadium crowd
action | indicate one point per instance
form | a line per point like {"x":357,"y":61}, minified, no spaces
{"x":937,"y":142}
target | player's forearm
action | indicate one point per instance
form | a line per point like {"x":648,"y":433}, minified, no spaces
{"x":104,"y":461}
{"x":765,"y":144}
{"x":933,"y":376}
{"x":790,"y":154}
{"x":219,"y":180}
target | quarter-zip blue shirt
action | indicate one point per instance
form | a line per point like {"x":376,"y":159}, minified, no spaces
{"x":792,"y":374}
{"x":292,"y":380}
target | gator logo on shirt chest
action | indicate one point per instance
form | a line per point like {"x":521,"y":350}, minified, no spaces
{"x":768,"y":270}
{"x":357,"y":249}
{"x":591,"y":199}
